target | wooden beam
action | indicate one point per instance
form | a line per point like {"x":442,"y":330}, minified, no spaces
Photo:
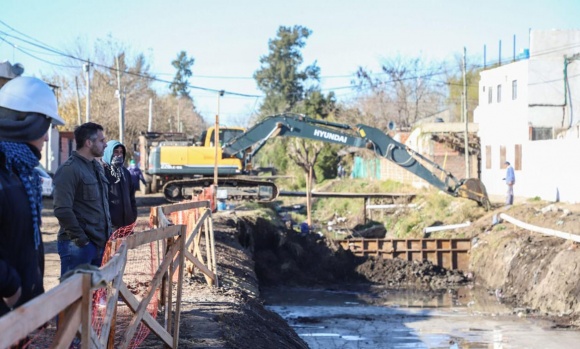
{"x":18,"y":323}
{"x":199,"y":265}
{"x":147,"y":319}
{"x":157,"y":278}
{"x":136,"y":240}
{"x":177,"y":316}
{"x":86,"y":311}
{"x":67,"y":329}
{"x":183,"y":206}
{"x":197,"y":227}
{"x":116,"y":265}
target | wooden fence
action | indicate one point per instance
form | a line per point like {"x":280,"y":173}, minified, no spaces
{"x":72,"y":300}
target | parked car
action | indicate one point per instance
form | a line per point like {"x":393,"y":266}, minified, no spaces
{"x":46,"y":180}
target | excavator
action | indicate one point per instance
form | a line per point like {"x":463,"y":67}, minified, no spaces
{"x":242,"y":147}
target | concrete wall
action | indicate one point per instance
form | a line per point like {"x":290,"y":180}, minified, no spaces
{"x":548,"y":95}
{"x":549,"y":170}
{"x":50,"y":151}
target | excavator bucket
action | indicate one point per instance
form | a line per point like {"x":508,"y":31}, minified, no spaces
{"x":474,"y":189}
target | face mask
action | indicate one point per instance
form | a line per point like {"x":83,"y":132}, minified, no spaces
{"x":117,"y":161}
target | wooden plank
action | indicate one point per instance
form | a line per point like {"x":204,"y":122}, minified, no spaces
{"x":116,"y":265}
{"x":394,"y":196}
{"x":182,"y":249}
{"x":157,"y":278}
{"x":183,"y":206}
{"x":86,"y":311}
{"x":197,"y":227}
{"x":214,"y":262}
{"x":18,"y":323}
{"x":199,"y":265}
{"x":147,"y":319}
{"x":67,"y":329}
{"x":110,"y":321}
{"x":169,"y":303}
{"x":148,"y":236}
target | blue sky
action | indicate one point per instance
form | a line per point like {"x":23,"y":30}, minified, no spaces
{"x":227,"y":38}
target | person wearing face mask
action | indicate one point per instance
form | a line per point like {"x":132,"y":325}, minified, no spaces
{"x":122,"y":204}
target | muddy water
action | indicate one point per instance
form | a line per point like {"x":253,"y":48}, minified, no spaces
{"x":380,"y":318}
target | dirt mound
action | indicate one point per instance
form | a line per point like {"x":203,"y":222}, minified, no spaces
{"x":284,"y":257}
{"x":527,"y":269}
{"x":401,"y":273}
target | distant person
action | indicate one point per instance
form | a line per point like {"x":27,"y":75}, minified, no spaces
{"x":122,"y":204}
{"x":27,"y":108}
{"x":510,"y":180}
{"x":136,"y":175}
{"x":81,"y":202}
{"x":339,"y":171}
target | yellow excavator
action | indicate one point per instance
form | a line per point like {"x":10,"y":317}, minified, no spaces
{"x":238,"y":147}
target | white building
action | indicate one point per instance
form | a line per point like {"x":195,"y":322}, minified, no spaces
{"x":529,"y":115}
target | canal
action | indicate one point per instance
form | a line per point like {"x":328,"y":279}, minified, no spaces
{"x":375,"y":317}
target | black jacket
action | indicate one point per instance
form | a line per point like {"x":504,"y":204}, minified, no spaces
{"x":122,"y":204}
{"x":21,"y":264}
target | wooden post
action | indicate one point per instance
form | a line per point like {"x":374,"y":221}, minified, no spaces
{"x":365,"y":210}
{"x":86,"y":312}
{"x":181,"y":266}
{"x":111,"y":341}
{"x":309,"y":197}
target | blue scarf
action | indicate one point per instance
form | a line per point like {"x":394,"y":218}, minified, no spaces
{"x":22,"y":159}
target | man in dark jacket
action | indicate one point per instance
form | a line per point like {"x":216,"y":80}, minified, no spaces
{"x":136,"y":175}
{"x":122,"y":205}
{"x":27,"y":108}
{"x":81,"y":202}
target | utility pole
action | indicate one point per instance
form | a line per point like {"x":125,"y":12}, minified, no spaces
{"x":216,"y":141}
{"x":465,"y":118}
{"x":87,"y":67}
{"x":150,"y":123}
{"x":78,"y":101}
{"x":121,"y":104}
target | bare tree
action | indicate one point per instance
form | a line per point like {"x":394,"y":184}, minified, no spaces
{"x":405,"y":91}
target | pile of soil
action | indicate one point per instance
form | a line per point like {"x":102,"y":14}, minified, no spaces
{"x":417,"y":274}
{"x":529,"y":270}
{"x":285,"y":257}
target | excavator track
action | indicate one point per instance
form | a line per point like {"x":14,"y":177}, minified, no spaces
{"x":229,"y":188}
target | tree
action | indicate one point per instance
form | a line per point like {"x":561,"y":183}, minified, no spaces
{"x":288,"y":88}
{"x":136,"y":87}
{"x":406,"y":91}
{"x":180,"y":84}
{"x":280,"y":76}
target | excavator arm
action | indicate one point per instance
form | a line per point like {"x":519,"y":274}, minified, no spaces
{"x":361,"y":136}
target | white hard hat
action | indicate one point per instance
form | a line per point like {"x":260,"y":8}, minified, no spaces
{"x":28,"y":94}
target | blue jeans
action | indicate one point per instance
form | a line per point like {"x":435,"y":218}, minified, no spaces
{"x":71,"y":256}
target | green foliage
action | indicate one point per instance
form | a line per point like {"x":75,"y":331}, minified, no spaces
{"x":326,"y":165}
{"x":455,"y":83}
{"x":289,"y":88}
{"x":180,"y":84}
{"x":280,"y":76}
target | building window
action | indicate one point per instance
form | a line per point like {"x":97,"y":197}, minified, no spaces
{"x":498,"y":93}
{"x":518,"y":157}
{"x":502,"y":157}
{"x":490,"y":95}
{"x":514,"y":89}
{"x":541,"y":133}
{"x":488,"y":157}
